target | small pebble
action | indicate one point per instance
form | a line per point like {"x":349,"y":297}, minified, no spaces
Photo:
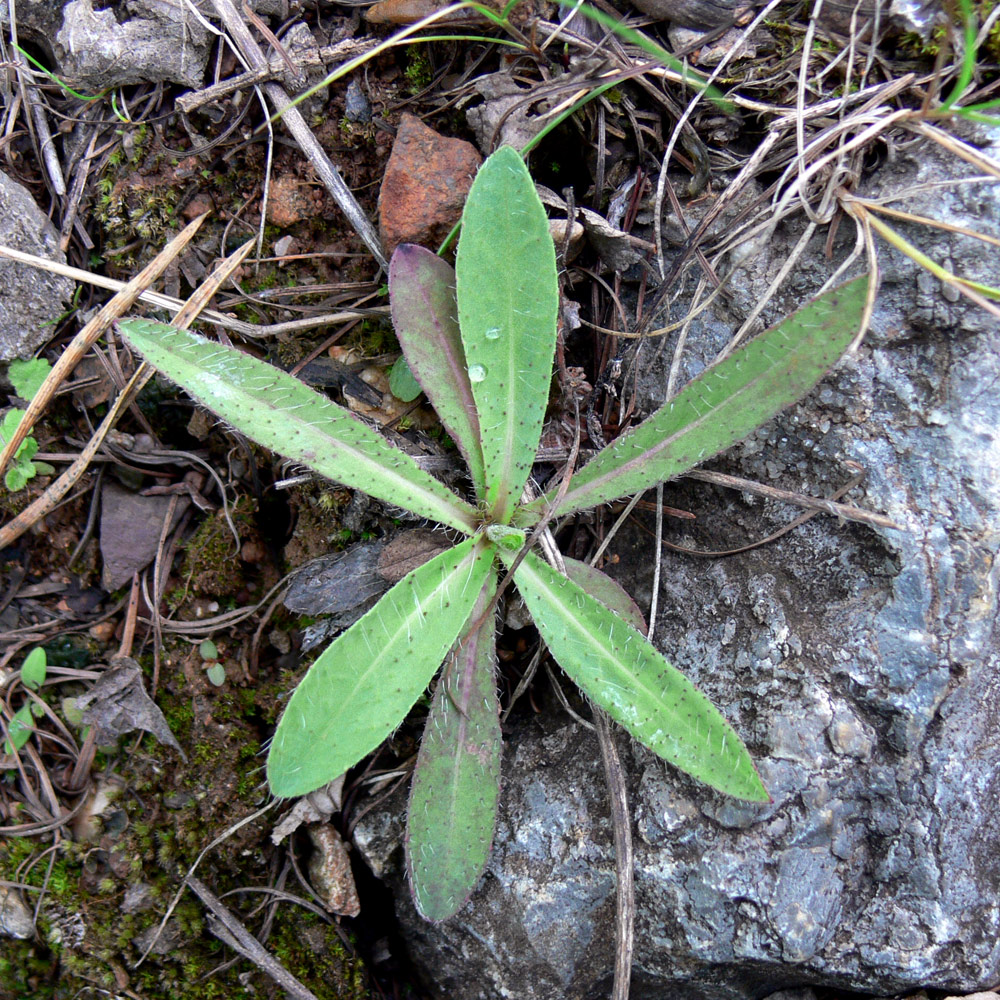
{"x":357,"y":107}
{"x":15,"y":917}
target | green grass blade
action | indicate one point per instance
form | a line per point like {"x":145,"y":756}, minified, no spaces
{"x":425,"y":316}
{"x":724,"y":404}
{"x":508,"y":297}
{"x":281,"y":413}
{"x":456,"y":784}
{"x":634,"y":684}
{"x":367,"y":679}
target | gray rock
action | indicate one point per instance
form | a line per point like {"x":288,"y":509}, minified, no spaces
{"x":16,"y":920}
{"x":862,"y":667}
{"x":31,"y":298}
{"x":155,"y":41}
{"x":137,"y":34}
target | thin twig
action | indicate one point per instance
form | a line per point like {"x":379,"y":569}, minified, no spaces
{"x":301,"y":132}
{"x":224,"y":925}
{"x":846,"y":511}
{"x":89,"y":335}
{"x":226,"y":321}
{"x":44,"y":504}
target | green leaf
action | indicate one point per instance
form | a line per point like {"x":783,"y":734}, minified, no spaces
{"x":9,"y":424}
{"x":279,"y":412}
{"x":508,"y":298}
{"x":19,"y":729}
{"x":18,"y":475}
{"x":456,"y":783}
{"x":609,"y":592}
{"x":363,"y":684}
{"x":723,"y":405}
{"x":425,"y":317}
{"x":27,"y":376}
{"x":33,"y":669}
{"x":72,"y":712}
{"x":634,"y":684}
{"x":512,"y":539}
{"x":402,"y":384}
{"x":216,"y":674}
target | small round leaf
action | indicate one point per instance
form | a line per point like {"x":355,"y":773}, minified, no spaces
{"x":33,"y":669}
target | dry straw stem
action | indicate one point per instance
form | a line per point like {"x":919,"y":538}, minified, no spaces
{"x":168,"y":302}
{"x":44,"y":504}
{"x":973,"y":291}
{"x":90,"y":334}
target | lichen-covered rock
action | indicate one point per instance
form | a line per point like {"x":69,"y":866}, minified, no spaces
{"x":32,"y":298}
{"x":156,"y":42}
{"x":861,"y":665}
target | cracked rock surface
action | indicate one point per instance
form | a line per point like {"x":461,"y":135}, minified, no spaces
{"x":860,"y":665}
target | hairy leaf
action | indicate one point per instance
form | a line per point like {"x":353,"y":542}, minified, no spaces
{"x":634,"y":684}
{"x":609,"y":592}
{"x":425,"y":317}
{"x":281,"y":413}
{"x":456,"y":784}
{"x":723,"y":404}
{"x":366,"y":680}
{"x":508,"y":297}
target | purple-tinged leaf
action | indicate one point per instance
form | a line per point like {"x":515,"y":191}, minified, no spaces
{"x":609,"y":592}
{"x":425,"y":316}
{"x":456,"y":784}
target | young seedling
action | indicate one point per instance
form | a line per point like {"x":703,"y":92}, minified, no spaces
{"x":26,"y":377}
{"x":480,"y":340}
{"x":21,"y":724}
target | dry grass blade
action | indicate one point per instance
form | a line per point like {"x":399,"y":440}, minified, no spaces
{"x":38,"y":509}
{"x":973,"y":291}
{"x":89,"y":335}
{"x":624,"y":855}
{"x":162,"y":301}
{"x":923,"y":220}
{"x":43,"y":138}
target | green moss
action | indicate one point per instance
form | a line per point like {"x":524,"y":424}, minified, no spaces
{"x":211,"y":568}
{"x":418,"y":72}
{"x":322,"y":962}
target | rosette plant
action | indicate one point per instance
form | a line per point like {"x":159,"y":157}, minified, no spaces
{"x":480,"y":340}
